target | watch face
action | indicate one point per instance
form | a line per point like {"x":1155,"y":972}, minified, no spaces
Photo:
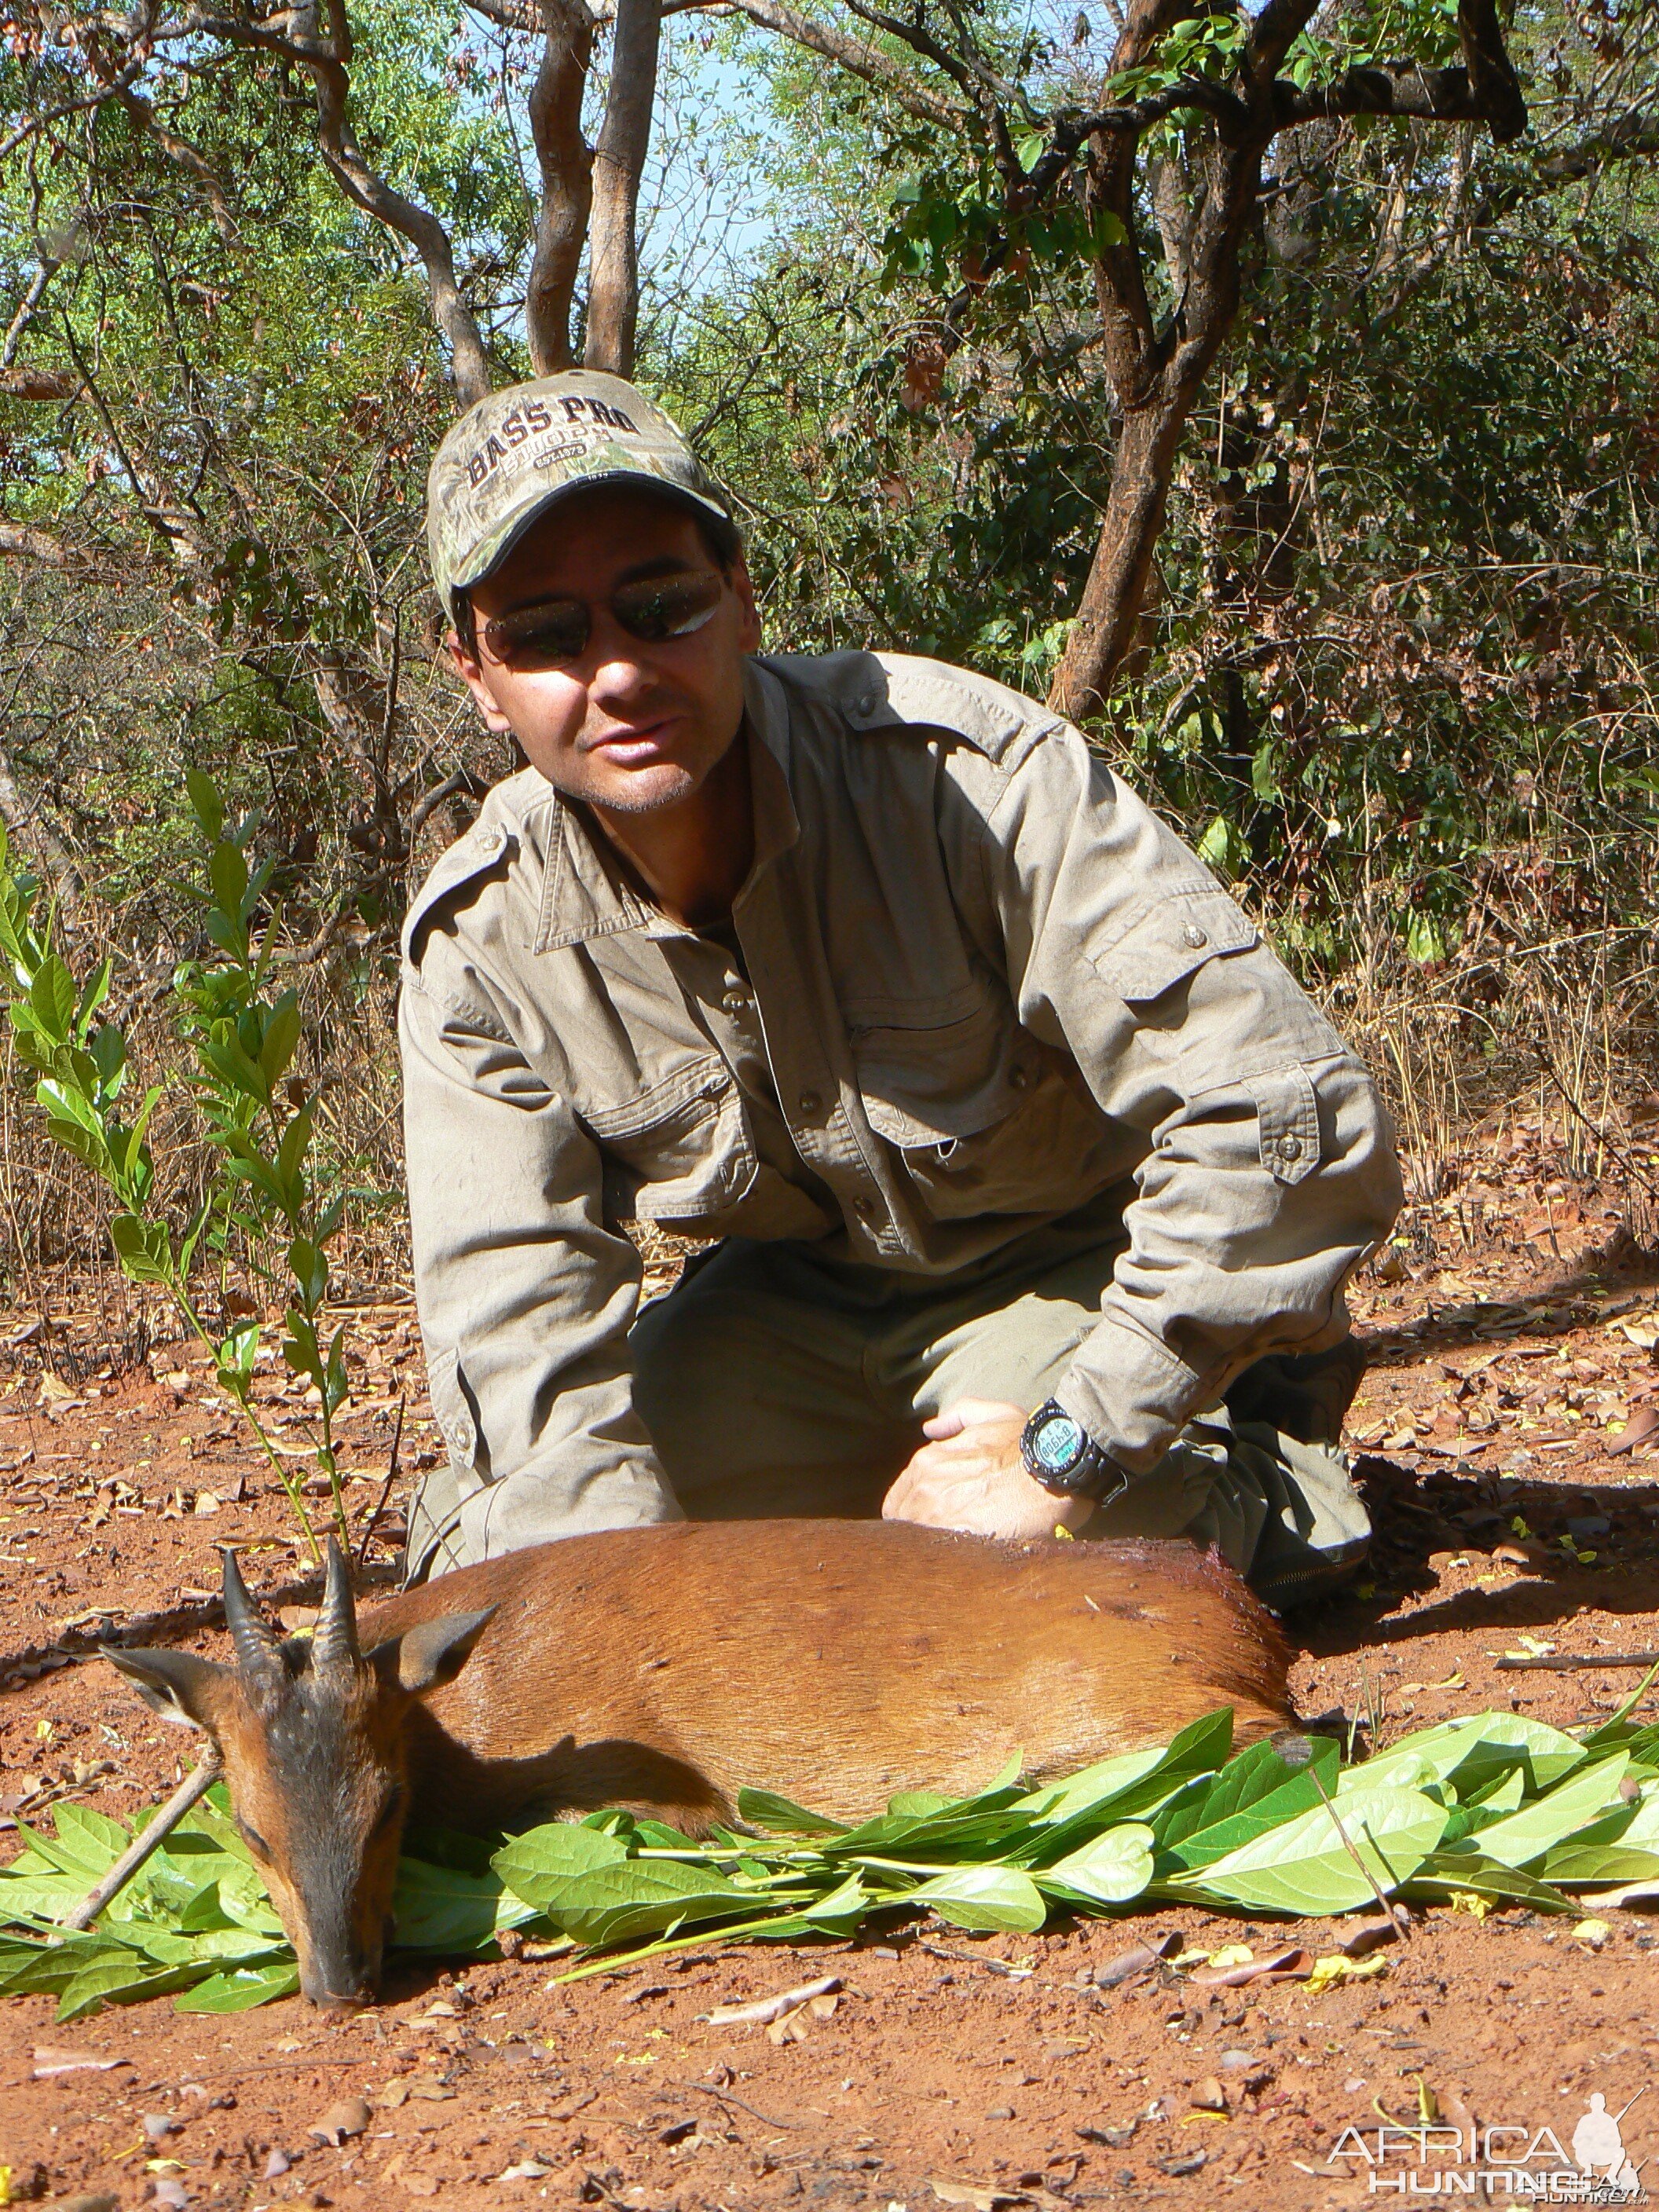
{"x":1058,"y":1444}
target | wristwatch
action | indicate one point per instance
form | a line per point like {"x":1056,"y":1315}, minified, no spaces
{"x":1059,"y":1453}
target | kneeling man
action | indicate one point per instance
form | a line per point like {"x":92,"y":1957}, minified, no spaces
{"x":1029,"y":1179}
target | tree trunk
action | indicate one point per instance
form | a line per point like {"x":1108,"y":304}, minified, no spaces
{"x":566,"y":174}
{"x":1105,"y":629}
{"x":613,"y":301}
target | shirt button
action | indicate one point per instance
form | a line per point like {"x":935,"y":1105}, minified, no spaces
{"x":863,"y":1206}
{"x":492,"y":840}
{"x":809,"y":1102}
{"x":865,"y":703}
{"x":1019,"y":1077}
{"x":737,"y":1002}
{"x":1193,"y":936}
{"x":1290,"y":1147}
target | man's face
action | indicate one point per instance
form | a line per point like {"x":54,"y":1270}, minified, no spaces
{"x":625,"y":725}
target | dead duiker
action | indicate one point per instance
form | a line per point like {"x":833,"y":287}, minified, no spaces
{"x":661,"y":1667}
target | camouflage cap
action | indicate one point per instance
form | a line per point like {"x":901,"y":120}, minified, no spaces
{"x":510,"y":456}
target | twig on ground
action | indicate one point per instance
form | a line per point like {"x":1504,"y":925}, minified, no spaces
{"x":726,"y":2098}
{"x":1565,"y":1663}
{"x":969,"y":1958}
{"x":385,"y":1488}
{"x":193,"y":1786}
{"x":1297,"y":1752}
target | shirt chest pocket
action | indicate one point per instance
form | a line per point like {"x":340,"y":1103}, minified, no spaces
{"x":984,"y":1118}
{"x":680,"y":1151}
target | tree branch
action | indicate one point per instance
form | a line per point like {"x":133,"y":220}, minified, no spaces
{"x":613,"y":295}
{"x":1403,"y":88}
{"x":326,"y":62}
{"x":1492,"y":75}
{"x":21,"y":541}
{"x":31,"y":123}
{"x":857,"y":56}
{"x":566,"y":164}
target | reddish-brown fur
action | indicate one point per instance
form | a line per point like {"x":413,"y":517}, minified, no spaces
{"x":833,"y":1661}
{"x":662,"y":1668}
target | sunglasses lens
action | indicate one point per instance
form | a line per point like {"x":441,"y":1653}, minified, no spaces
{"x":546,"y":636}
{"x":674,"y":608}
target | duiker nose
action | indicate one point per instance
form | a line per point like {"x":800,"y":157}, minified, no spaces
{"x":344,"y":1984}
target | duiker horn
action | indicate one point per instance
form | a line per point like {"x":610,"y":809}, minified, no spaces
{"x":334,"y":1640}
{"x":258,"y":1652}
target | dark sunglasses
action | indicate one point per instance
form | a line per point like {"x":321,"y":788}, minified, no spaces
{"x":554,"y":632}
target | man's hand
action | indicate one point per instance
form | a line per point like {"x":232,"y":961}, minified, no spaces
{"x":969,"y":1475}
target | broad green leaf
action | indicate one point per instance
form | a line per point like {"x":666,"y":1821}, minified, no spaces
{"x":840,"y":1912}
{"x":281,"y":1039}
{"x":52,"y":998}
{"x":242,"y":1991}
{"x":979,"y":1897}
{"x":228,"y":873}
{"x":1131,"y":1781}
{"x":918,"y":1804}
{"x":763,"y":1808}
{"x":1469,"y":1754}
{"x":99,"y":1840}
{"x":1252,"y":1793}
{"x":633,"y":1897}
{"x":1520,"y":1838}
{"x":445,"y":1909}
{"x":142,"y":1247}
{"x":1465,"y":1868}
{"x":1305,"y":1868}
{"x":70,"y":1852}
{"x":206,"y":804}
{"x":1110,"y":1870}
{"x":1576,"y":1865}
{"x":540,"y":1863}
{"x":127,"y":1979}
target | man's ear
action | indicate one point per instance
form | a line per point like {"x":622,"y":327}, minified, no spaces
{"x":471,"y":670}
{"x":433,"y":1652}
{"x":182,"y":1688}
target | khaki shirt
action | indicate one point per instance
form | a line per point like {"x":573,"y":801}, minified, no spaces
{"x":981,"y":984}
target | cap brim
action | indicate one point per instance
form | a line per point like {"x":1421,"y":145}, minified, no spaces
{"x":489,"y":554}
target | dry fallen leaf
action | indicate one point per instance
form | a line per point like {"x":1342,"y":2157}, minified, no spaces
{"x":1293,"y":1964}
{"x":968,"y":2192}
{"x":50,"y":2059}
{"x":1642,"y":1425}
{"x":1140,"y":1960}
{"x":348,"y":2117}
{"x":762,"y":2009}
{"x":1357,"y":1941}
{"x":528,"y":2169}
{"x":425,"y":2086}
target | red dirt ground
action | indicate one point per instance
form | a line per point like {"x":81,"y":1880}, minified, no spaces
{"x":1522,"y":1386}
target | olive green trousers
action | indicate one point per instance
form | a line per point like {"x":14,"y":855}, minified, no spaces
{"x":776,"y":1379}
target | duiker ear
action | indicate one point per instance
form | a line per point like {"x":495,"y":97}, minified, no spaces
{"x":182,"y":1687}
{"x":433,"y":1652}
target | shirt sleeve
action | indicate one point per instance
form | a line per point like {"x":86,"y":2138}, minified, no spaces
{"x":1269,"y":1172}
{"x":525,"y":1297}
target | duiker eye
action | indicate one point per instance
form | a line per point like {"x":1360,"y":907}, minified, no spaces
{"x":389,"y":1810}
{"x":255,"y":1842}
